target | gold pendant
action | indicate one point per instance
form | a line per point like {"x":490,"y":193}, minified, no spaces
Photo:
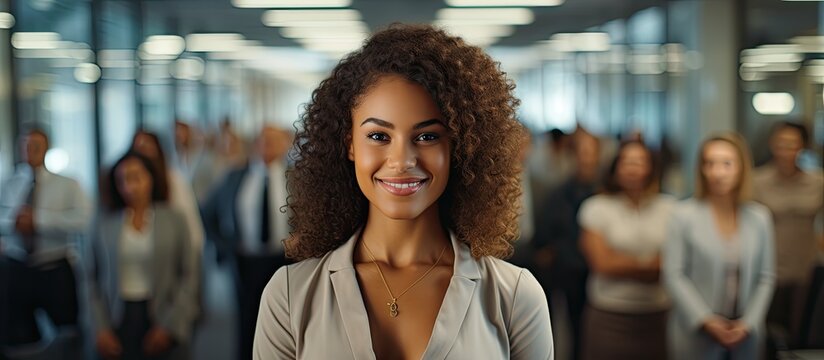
{"x":393,"y":308}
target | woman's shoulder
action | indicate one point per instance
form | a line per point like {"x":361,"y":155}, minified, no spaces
{"x":686,"y":210}
{"x":599,"y":199}
{"x":301,"y":272}
{"x":508,"y":278}
{"x":756,"y":210}
{"x":164,"y":212}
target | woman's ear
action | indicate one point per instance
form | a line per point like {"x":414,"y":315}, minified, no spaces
{"x":351,"y":149}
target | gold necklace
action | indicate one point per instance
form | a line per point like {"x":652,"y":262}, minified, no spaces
{"x":393,"y":306}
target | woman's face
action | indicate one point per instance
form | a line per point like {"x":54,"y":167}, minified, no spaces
{"x":134,"y":182}
{"x":145,"y":145}
{"x":785,"y":146}
{"x":634,"y":167}
{"x":400,"y":147}
{"x":721,"y":168}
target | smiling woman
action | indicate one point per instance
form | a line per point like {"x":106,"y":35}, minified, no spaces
{"x":403,"y":200}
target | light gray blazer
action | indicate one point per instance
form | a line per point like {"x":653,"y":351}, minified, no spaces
{"x":694,"y":274}
{"x":174,"y":303}
{"x":314,"y":310}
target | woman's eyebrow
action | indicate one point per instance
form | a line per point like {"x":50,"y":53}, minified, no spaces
{"x":389,"y":125}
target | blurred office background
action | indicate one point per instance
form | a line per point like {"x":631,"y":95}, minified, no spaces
{"x":91,"y":73}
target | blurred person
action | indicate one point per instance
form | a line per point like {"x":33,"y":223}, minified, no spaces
{"x":41,"y":216}
{"x":187,"y":149}
{"x":795,"y":198}
{"x":244,"y":219}
{"x":622,"y":232}
{"x":231,"y":152}
{"x":180,"y":195}
{"x":550,"y":164}
{"x":144,"y":282}
{"x":556,"y":248}
{"x":195,"y":159}
{"x":402,"y":210}
{"x":718,"y":260}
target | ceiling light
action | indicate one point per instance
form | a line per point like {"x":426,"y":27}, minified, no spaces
{"x":35,"y":40}
{"x":6,"y":20}
{"x":503,"y":3}
{"x":213,"y":42}
{"x":310,"y":24}
{"x":56,"y":160}
{"x":87,"y":73}
{"x":810,"y":43}
{"x":164,"y":45}
{"x":773,"y":103}
{"x":191,"y":68}
{"x":477,"y":30}
{"x":325,"y":32}
{"x":773,"y":58}
{"x":588,"y":41}
{"x":307,"y":17}
{"x":291,"y":3}
{"x":333,"y":47}
{"x":507,"y":16}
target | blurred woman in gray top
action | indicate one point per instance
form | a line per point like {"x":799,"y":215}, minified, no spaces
{"x":718,"y":261}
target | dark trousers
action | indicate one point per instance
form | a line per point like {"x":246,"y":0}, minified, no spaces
{"x":784,"y":317}
{"x":51,"y":287}
{"x":573,"y":286}
{"x":612,"y":335}
{"x":253,"y":273}
{"x":132,"y":331}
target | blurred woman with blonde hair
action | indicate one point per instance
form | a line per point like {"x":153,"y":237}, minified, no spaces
{"x":718,"y":262}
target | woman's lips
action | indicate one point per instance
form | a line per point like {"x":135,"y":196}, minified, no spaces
{"x":402,"y":187}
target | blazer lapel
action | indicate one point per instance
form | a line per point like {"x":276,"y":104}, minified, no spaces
{"x":350,"y":302}
{"x":456,"y":302}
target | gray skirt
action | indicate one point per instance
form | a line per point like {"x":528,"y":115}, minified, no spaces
{"x":611,"y":335}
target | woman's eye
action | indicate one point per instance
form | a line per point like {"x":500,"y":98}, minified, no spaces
{"x":428,"y":137}
{"x":376,"y":136}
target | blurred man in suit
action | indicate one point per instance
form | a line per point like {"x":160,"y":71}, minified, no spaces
{"x":41,"y":215}
{"x":242,"y":216}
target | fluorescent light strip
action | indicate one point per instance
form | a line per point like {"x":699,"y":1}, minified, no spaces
{"x":291,"y":3}
{"x":35,"y":40}
{"x":164,"y":45}
{"x":6,"y":20}
{"x":324,"y":33}
{"x":314,"y":24}
{"x":299,"y":16}
{"x":213,"y":42}
{"x":507,"y":16}
{"x":773,"y":103}
{"x":477,"y":30}
{"x":773,"y":58}
{"x":588,"y":41}
{"x":503,"y":3}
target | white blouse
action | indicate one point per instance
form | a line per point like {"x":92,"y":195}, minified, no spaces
{"x":637,"y":232}
{"x":136,"y":258}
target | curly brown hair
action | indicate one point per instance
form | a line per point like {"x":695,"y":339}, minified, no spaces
{"x":481,"y":201}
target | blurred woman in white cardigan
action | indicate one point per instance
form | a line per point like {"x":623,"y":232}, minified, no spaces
{"x":718,"y":260}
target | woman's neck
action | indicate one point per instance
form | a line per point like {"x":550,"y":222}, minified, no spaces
{"x":403,"y":243}
{"x":787,"y":171}
{"x":138,"y":208}
{"x":635,"y":197}
{"x":722,"y":203}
